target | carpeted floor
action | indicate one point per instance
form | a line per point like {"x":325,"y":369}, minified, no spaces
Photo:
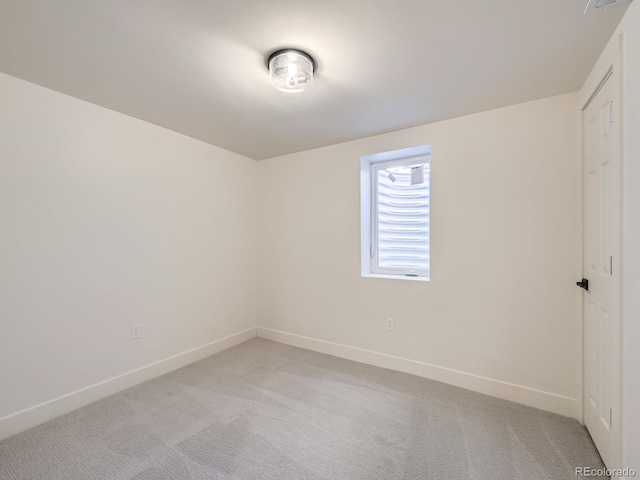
{"x":263,"y":410}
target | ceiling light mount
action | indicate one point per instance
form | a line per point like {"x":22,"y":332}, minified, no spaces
{"x":291,"y":70}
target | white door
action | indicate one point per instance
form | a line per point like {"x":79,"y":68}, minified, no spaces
{"x":601,"y":301}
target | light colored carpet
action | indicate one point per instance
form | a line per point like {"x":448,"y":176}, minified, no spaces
{"x":263,"y":410}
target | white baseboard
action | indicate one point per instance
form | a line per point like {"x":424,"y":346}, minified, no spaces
{"x":30,"y":417}
{"x":550,"y":402}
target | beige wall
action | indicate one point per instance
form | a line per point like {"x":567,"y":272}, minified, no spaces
{"x":107,"y":221}
{"x":502,"y":301}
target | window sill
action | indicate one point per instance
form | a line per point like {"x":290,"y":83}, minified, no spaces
{"x":396,"y":277}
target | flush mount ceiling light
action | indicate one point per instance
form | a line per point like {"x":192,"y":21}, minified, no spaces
{"x":600,"y":5}
{"x":291,"y":70}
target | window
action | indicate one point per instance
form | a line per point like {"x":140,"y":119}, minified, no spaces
{"x":395,"y":207}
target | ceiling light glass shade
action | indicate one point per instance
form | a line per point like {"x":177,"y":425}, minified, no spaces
{"x":291,"y":70}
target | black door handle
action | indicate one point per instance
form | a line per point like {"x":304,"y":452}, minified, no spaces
{"x":583,"y":284}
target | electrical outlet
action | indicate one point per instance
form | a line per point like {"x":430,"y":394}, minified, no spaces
{"x":390,"y":324}
{"x":135,"y":331}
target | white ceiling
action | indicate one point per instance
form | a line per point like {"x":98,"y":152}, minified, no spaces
{"x":197,"y":66}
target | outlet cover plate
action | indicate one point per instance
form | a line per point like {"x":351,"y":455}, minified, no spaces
{"x":135,"y":331}
{"x":390,"y":324}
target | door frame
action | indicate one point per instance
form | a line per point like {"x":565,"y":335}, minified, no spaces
{"x":610,"y":67}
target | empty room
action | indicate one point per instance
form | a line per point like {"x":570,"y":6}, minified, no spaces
{"x":299,"y":240}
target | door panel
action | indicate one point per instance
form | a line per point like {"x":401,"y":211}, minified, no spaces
{"x":601,"y":327}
